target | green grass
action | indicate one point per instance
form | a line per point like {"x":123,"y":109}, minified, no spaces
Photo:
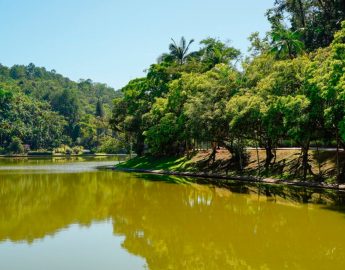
{"x":156,"y":163}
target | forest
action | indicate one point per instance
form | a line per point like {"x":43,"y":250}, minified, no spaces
{"x":288,"y":90}
{"x":42,"y":110}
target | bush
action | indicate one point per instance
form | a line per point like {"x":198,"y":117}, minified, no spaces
{"x":66,"y":150}
{"x":77,"y":150}
{"x":111,"y":145}
{"x":63,"y":149}
{"x":16,"y":146}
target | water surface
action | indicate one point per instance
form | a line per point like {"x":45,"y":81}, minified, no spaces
{"x":66,"y":214}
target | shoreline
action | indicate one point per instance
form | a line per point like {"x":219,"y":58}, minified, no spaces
{"x":243,"y":179}
{"x":51,"y":156}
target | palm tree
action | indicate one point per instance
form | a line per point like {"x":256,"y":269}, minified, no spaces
{"x":180,"y":52}
{"x":286,"y":43}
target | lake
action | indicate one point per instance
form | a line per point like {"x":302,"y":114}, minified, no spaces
{"x":66,"y":214}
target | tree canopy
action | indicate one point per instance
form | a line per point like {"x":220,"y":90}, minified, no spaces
{"x":290,"y":88}
{"x":43,"y":109}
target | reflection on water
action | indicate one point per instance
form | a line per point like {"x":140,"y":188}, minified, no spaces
{"x":164,"y":225}
{"x":57,"y":164}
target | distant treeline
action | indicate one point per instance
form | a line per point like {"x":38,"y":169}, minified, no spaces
{"x":290,"y":87}
{"x":42,"y":110}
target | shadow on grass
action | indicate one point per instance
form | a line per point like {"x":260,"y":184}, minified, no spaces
{"x":154,"y":163}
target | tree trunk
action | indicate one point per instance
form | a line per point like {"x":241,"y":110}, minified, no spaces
{"x":338,"y":170}
{"x":258,"y":159}
{"x":213,"y":153}
{"x":237,"y":156}
{"x":341,"y":177}
{"x":305,"y":156}
{"x":318,"y":158}
{"x":140,"y":146}
{"x":301,"y":13}
{"x":269,"y":155}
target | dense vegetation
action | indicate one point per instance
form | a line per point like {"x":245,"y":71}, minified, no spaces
{"x":290,"y":89}
{"x":44,"y":111}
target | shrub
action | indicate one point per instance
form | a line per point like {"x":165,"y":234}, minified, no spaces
{"x":111,"y":145}
{"x":16,"y":146}
{"x":77,"y":150}
{"x":63,"y":149}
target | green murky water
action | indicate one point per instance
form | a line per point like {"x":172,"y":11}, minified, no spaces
{"x":66,"y":214}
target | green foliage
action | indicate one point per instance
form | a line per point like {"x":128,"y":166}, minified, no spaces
{"x":99,"y":109}
{"x":44,"y":109}
{"x":77,"y":150}
{"x":156,"y":163}
{"x":16,"y":146}
{"x":164,"y":137}
{"x":318,"y":20}
{"x":327,"y":78}
{"x":216,"y":52}
{"x":62,"y":149}
{"x":111,"y":145}
{"x":179,"y":52}
{"x":286,"y":43}
{"x":67,"y":150}
{"x":291,"y":95}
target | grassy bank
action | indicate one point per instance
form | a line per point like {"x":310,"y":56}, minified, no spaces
{"x":157,"y":164}
{"x":323,"y":165}
{"x":58,"y":155}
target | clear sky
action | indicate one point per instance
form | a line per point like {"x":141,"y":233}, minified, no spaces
{"x":113,"y":41}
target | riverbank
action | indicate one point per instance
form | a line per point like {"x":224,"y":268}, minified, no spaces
{"x":280,"y":173}
{"x":60,"y":155}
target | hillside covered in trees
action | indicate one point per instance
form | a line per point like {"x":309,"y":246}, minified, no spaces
{"x":44,"y":111}
{"x":289,"y":89}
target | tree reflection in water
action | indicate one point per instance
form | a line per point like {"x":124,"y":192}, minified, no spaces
{"x":181,"y":226}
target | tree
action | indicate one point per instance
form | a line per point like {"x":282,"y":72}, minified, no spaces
{"x":5,"y":102}
{"x":317,"y":20}
{"x":326,"y":76}
{"x":16,"y":146}
{"x":128,"y":111}
{"x":67,"y":104}
{"x":35,"y":105}
{"x":205,"y":107}
{"x":180,"y":51}
{"x":164,"y":138}
{"x":254,"y":118}
{"x":258,"y":46}
{"x":216,"y":52}
{"x":17,"y":72}
{"x":285,"y":43}
{"x":99,"y":109}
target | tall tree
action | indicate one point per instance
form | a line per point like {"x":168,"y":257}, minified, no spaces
{"x":216,"y":52}
{"x":99,"y":109}
{"x":286,"y":43}
{"x":180,"y":51}
{"x":317,"y":20}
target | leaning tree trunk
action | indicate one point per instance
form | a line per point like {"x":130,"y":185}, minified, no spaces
{"x":258,"y":159}
{"x":237,"y":157}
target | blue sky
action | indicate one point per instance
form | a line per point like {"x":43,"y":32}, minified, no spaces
{"x":113,"y":41}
